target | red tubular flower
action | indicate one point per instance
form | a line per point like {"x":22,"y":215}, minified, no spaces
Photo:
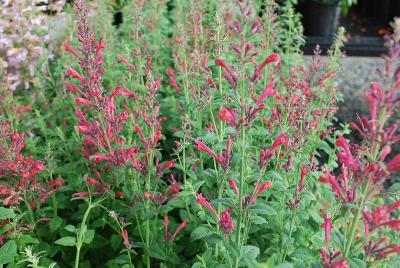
{"x":165,"y":166}
{"x":125,"y":238}
{"x":172,"y":80}
{"x":200,"y":146}
{"x":327,"y":229}
{"x":330,"y":179}
{"x":393,"y":224}
{"x":268,"y":92}
{"x":68,"y":48}
{"x":270,"y":59}
{"x":178,"y":229}
{"x":345,"y":156}
{"x":384,"y":252}
{"x":223,"y":159}
{"x":167,"y":235}
{"x":394,"y":206}
{"x":229,"y":74}
{"x":259,"y":189}
{"x":74,"y":74}
{"x":394,"y":164}
{"x":223,"y":64}
{"x":282,"y":139}
{"x":303,"y":172}
{"x":232,"y":183}
{"x":226,"y":223}
{"x":227,"y":114}
{"x":203,"y":202}
{"x":340,"y":264}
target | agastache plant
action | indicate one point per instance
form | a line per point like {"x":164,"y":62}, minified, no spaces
{"x":22,"y":184}
{"x":365,"y":168}
{"x":193,"y":133}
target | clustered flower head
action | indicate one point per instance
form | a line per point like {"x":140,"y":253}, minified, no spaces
{"x":21,"y":173}
{"x":99,"y":120}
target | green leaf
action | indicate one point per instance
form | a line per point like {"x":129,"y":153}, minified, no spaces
{"x":88,"y":236}
{"x":157,"y":252}
{"x":250,"y":254}
{"x":258,"y":219}
{"x":70,"y":228}
{"x":285,"y":265}
{"x":6,"y":213}
{"x":67,"y":241}
{"x":55,"y":223}
{"x":8,"y":252}
{"x":263,"y":209}
{"x":200,"y":232}
{"x":27,"y":239}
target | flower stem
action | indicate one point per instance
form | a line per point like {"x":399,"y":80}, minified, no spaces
{"x":349,"y":240}
{"x":81,"y":234}
{"x":290,"y":233}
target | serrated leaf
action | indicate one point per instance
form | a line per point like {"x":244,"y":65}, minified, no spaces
{"x":67,"y":241}
{"x":200,"y":232}
{"x":6,"y":213}
{"x":8,"y":252}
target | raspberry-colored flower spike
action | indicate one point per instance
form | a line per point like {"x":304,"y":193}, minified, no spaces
{"x":203,"y":202}
{"x":388,"y":250}
{"x":345,"y":156}
{"x":226,"y":223}
{"x":270,"y":59}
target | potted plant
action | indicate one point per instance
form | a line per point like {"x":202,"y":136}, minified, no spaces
{"x":321,"y":17}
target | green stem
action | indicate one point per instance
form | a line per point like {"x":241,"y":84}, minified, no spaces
{"x":290,"y":233}
{"x":81,"y":234}
{"x":349,"y":240}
